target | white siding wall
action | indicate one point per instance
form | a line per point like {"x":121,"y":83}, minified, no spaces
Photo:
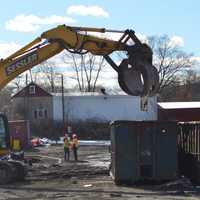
{"x":115,"y":107}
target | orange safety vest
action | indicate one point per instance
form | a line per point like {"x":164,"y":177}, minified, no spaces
{"x":75,"y":142}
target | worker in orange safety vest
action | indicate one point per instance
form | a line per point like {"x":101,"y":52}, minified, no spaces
{"x":74,"y":146}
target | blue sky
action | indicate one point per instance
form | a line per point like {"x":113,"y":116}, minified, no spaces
{"x":173,"y":17}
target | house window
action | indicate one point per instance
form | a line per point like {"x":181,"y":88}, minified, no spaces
{"x":35,"y":114}
{"x":32,"y":89}
{"x":45,"y":113}
{"x":40,"y":113}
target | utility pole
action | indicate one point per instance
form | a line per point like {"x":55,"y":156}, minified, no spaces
{"x":63,"y":103}
{"x":26,"y":79}
{"x":26,"y":99}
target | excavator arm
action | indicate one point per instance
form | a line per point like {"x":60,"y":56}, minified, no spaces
{"x":136,"y":74}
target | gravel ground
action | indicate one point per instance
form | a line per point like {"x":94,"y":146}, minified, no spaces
{"x":52,"y":178}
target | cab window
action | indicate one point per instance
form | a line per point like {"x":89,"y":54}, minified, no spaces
{"x":2,"y":133}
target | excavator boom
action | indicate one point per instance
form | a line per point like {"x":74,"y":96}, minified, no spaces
{"x":136,"y":74}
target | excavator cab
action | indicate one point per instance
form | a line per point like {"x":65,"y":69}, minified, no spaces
{"x":4,"y":136}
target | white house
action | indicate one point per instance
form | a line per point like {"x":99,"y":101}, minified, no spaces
{"x":101,"y":107}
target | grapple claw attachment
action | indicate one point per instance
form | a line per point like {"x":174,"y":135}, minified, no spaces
{"x":140,"y":80}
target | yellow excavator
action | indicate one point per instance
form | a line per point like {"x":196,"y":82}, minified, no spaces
{"x":136,"y":74}
{"x":10,"y":170}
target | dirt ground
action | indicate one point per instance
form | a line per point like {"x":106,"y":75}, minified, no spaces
{"x":52,"y":178}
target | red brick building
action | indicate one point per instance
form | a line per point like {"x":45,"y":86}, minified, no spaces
{"x":179,"y":111}
{"x":32,"y":103}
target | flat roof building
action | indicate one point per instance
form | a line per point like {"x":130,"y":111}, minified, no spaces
{"x":179,"y":111}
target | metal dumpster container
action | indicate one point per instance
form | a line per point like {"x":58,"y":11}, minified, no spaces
{"x":145,"y":150}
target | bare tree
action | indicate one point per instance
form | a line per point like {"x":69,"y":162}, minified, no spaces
{"x":87,"y":69}
{"x":18,"y":82}
{"x":191,"y":77}
{"x":5,"y":100}
{"x":48,"y":69}
{"x":169,"y":59}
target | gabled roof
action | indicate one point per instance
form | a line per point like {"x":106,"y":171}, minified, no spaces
{"x":25,"y":92}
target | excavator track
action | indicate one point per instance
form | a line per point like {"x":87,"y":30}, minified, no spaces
{"x":6,"y":172}
{"x":20,"y":170}
{"x":11,"y":171}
